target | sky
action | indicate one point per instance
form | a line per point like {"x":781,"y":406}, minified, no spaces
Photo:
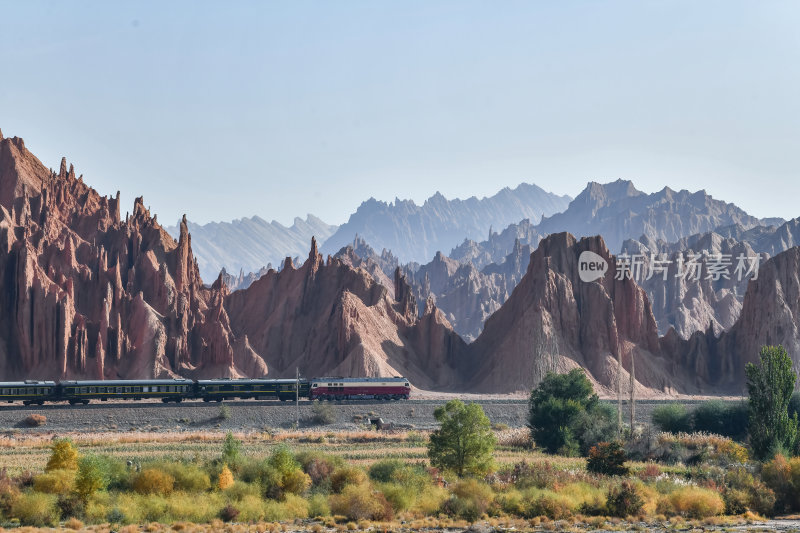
{"x":223,"y":110}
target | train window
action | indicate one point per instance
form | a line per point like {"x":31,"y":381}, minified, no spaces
{"x":314,"y":386}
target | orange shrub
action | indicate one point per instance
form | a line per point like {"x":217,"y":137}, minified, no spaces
{"x":694,"y":502}
{"x":358,"y":502}
{"x":153,"y":481}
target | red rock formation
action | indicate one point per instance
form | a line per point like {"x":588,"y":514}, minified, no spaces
{"x":328,"y":318}
{"x":553,"y":321}
{"x":86,"y":294}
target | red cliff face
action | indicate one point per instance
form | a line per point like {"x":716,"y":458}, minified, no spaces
{"x":554,"y":321}
{"x":328,"y":318}
{"x":87,"y":294}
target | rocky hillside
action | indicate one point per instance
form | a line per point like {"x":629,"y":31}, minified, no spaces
{"x":618,"y":211}
{"x":692,"y":303}
{"x":415,"y":233}
{"x":326,"y":317}
{"x":87,"y":293}
{"x":248,"y":244}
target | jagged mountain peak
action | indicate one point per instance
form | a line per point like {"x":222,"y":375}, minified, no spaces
{"x":415,"y":233}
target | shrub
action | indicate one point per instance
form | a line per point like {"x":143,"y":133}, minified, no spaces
{"x":9,"y":492}
{"x":295,"y":482}
{"x":783,"y":477}
{"x":229,"y":513}
{"x":385,"y":469}
{"x":400,"y":497}
{"x":36,"y":509}
{"x":470,"y":499}
{"x":524,"y":475}
{"x":695,"y":502}
{"x":64,"y":456}
{"x":92,"y":476}
{"x":296,"y":506}
{"x":348,"y":475}
{"x":97,"y":507}
{"x":430,"y":500}
{"x":34,"y":421}
{"x":464,"y":442}
{"x":153,"y":481}
{"x":224,"y":412}
{"x":290,"y":478}
{"x":358,"y":502}
{"x":322,"y":414}
{"x":607,"y":458}
{"x":727,"y":419}
{"x":597,"y":423}
{"x":624,"y":500}
{"x":251,"y":508}
{"x":225,"y":480}
{"x":319,"y":467}
{"x":71,"y":504}
{"x":54,"y":482}
{"x":544,"y":502}
{"x":672,"y":418}
{"x":318,"y":506}
{"x":188,"y":477}
{"x":649,"y":472}
{"x":73,"y":523}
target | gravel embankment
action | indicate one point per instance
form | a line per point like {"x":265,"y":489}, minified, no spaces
{"x":257,"y":415}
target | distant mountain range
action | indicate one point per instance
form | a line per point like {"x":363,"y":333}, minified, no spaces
{"x":415,"y":233}
{"x":618,"y":211}
{"x":247,"y":244}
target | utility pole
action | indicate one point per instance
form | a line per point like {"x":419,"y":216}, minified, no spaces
{"x":297,"y":396}
{"x":633,"y":390}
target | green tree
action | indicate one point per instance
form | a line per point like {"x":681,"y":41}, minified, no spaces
{"x":770,"y":386}
{"x":556,"y":408}
{"x":92,"y":475}
{"x":231,"y":448}
{"x":464,"y":443}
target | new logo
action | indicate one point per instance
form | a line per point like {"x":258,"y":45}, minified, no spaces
{"x":591,"y":266}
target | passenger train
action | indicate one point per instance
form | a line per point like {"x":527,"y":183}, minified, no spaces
{"x":176,"y":390}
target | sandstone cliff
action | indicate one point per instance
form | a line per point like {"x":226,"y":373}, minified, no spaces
{"x":87,"y":293}
{"x":328,"y":318}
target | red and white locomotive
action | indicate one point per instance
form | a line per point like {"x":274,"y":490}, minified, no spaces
{"x":336,"y":388}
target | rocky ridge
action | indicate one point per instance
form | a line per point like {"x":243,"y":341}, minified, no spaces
{"x":248,"y":244}
{"x":619,"y":211}
{"x":415,"y":233}
{"x":89,"y":294}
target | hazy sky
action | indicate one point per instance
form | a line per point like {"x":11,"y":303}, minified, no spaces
{"x":222,"y":110}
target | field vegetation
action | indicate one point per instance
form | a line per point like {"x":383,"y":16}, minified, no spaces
{"x":583,"y":472}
